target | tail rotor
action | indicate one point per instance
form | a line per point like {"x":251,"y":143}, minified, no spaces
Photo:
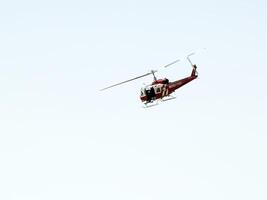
{"x":194,"y":72}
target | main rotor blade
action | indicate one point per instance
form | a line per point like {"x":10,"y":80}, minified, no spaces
{"x":127,"y":81}
{"x":165,"y":66}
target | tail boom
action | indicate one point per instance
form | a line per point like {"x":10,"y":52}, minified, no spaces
{"x":179,"y":83}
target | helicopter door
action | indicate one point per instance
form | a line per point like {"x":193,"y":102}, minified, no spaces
{"x":158,"y":88}
{"x":150,"y":93}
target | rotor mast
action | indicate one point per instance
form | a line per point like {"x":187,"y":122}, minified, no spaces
{"x":153,"y":73}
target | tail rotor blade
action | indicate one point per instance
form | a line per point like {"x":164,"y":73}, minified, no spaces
{"x":191,"y":54}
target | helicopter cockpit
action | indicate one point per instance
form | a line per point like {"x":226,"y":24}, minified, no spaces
{"x":151,"y":92}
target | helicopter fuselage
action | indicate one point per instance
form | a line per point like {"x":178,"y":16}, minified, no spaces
{"x":163,"y":88}
{"x":160,"y":88}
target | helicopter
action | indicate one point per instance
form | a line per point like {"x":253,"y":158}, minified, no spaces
{"x":161,"y":89}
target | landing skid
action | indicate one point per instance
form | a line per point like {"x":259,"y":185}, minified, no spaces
{"x":168,"y":98}
{"x":151,"y":104}
{"x":156,"y":102}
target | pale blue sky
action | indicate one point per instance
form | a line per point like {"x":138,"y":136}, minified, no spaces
{"x":60,"y":138}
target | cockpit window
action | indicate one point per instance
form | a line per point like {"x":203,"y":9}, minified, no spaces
{"x":158,"y":90}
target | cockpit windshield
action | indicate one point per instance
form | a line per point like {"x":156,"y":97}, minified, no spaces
{"x":145,"y":89}
{"x":142,"y":92}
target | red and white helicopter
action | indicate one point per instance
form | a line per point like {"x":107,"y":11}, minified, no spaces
{"x":161,"y":89}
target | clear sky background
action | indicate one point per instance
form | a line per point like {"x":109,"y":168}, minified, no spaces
{"x":60,"y":138}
